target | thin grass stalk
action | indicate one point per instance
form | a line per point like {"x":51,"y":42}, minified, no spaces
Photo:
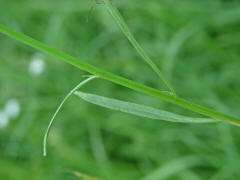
{"x":118,"y":79}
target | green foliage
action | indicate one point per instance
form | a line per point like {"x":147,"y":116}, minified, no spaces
{"x":196,"y":44}
{"x":117,"y":79}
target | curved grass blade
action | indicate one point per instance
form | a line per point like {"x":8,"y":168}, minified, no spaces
{"x":59,"y":108}
{"x":124,"y":27}
{"x":139,"y":110}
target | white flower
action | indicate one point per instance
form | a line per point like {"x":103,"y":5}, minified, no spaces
{"x":37,"y":64}
{"x":12,"y":108}
{"x":4,"y":120}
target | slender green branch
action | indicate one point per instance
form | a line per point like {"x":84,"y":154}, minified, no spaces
{"x":124,"y":27}
{"x":59,"y":108}
{"x":117,"y":79}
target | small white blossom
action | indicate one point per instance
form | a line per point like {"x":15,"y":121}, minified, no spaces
{"x":12,"y":108}
{"x":37,"y":64}
{"x":4,"y":120}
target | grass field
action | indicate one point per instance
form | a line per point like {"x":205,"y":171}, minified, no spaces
{"x":196,"y":44}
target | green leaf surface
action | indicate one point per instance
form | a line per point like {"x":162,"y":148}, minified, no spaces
{"x":139,"y":110}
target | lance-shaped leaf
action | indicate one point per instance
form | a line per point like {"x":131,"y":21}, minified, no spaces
{"x":140,"y":110}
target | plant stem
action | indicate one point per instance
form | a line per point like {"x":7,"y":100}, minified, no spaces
{"x":117,"y":79}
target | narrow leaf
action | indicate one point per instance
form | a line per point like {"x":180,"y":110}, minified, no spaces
{"x":139,"y":110}
{"x":126,"y":31}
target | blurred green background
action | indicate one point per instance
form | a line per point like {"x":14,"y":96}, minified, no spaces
{"x":197,"y":46}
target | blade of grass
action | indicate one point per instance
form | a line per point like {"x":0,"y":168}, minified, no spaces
{"x":173,"y":167}
{"x":83,"y":176}
{"x":139,"y":110}
{"x":59,"y":108}
{"x":118,"y":79}
{"x":124,"y":27}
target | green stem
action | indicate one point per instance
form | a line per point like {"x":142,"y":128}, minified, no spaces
{"x":117,"y":79}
